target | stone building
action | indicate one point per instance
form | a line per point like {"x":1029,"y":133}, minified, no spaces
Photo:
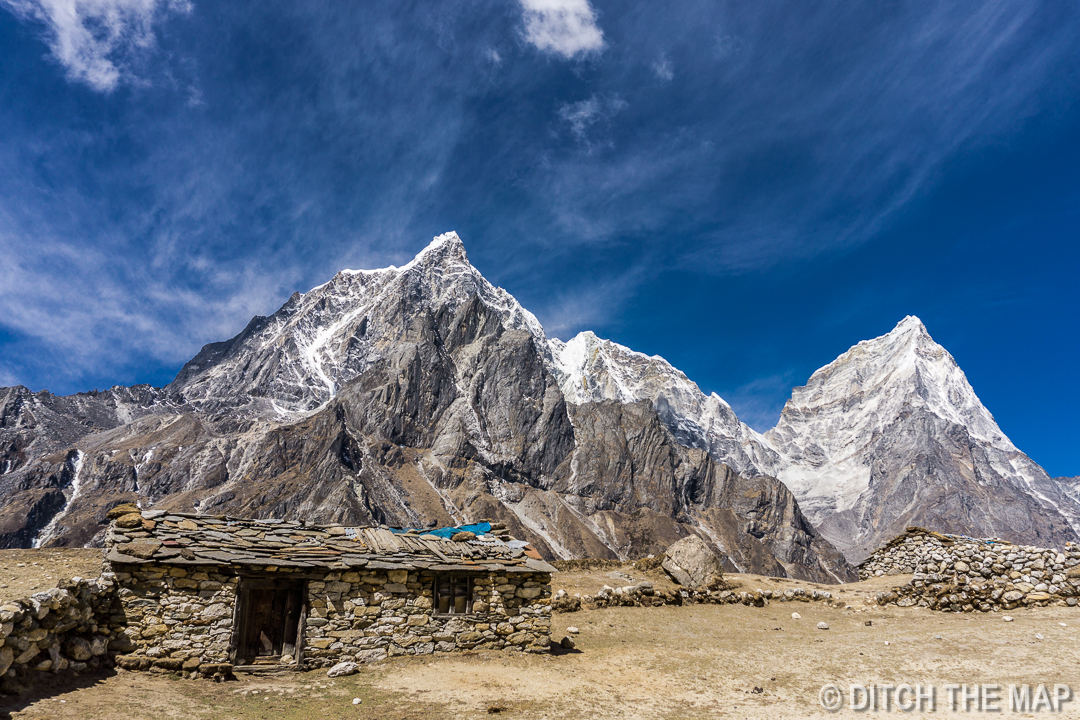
{"x":210,"y":594}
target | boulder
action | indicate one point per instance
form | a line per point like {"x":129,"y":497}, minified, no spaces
{"x":144,"y":549}
{"x":343,"y":668}
{"x":374,"y":654}
{"x":691,"y":562}
{"x":131,"y":520}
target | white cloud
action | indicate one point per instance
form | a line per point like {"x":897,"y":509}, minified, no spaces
{"x":564,"y":27}
{"x":93,"y":39}
{"x":582,"y":115}
{"x":663,"y":68}
{"x":8,"y":379}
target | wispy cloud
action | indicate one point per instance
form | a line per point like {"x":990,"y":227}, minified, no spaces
{"x":663,"y":68}
{"x":576,"y":308}
{"x":564,"y":27}
{"x":95,"y":40}
{"x":758,"y":403}
{"x":580,"y":117}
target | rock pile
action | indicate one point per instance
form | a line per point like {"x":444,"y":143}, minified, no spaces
{"x":67,"y":629}
{"x":962,"y":574}
{"x":643,"y":594}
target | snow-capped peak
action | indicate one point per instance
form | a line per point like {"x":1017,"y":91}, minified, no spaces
{"x":442,"y":250}
{"x":328,"y":335}
{"x":591,"y":369}
{"x":903,"y":366}
{"x":885,"y":409}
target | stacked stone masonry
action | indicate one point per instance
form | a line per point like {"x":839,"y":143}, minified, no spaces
{"x":66,"y":630}
{"x":183,"y":621}
{"x":962,"y":574}
{"x":643,"y":594}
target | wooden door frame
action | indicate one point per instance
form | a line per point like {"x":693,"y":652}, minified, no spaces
{"x":240,"y":610}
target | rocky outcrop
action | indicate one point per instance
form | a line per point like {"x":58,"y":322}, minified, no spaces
{"x":962,"y":574}
{"x":401,"y":396}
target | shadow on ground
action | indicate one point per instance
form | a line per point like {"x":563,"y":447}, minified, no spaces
{"x":15,"y":696}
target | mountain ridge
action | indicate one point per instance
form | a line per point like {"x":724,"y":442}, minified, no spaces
{"x":405,"y":396}
{"x":432,"y":393}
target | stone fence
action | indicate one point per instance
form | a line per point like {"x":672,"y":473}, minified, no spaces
{"x":962,"y":574}
{"x":643,"y":594}
{"x":65,"y":630}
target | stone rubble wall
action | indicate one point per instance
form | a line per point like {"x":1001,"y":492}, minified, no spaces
{"x":181,"y":620}
{"x":961,"y":574}
{"x":66,"y":630}
{"x":643,"y":594}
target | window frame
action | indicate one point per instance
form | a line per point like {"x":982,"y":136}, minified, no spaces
{"x":452,"y":580}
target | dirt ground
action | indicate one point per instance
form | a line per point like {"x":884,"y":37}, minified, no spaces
{"x":727,"y":661}
{"x":25,"y":572}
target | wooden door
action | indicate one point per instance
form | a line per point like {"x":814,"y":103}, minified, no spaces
{"x":269,"y":618}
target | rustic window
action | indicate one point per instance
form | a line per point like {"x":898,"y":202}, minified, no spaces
{"x":453,"y":594}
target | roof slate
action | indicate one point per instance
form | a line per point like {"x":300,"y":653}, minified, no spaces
{"x":165,"y":538}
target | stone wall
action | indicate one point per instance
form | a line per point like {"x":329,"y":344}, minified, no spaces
{"x":643,"y":594}
{"x":372,"y":614}
{"x":177,"y":619}
{"x":181,"y":620}
{"x":961,"y":574}
{"x":66,"y":630}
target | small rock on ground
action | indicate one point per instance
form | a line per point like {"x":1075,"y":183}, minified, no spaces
{"x":823,"y":626}
{"x":796,"y":616}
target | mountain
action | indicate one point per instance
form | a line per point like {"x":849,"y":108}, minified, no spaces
{"x":891,"y":434}
{"x":413,"y":396}
{"x":590,"y":369}
{"x":1070,"y":486}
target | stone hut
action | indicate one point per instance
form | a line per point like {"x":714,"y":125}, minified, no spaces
{"x":212,"y":594}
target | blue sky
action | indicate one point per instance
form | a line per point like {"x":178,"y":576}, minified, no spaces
{"x":744,"y":188}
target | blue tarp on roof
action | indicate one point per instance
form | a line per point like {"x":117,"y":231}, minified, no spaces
{"x":448,"y":532}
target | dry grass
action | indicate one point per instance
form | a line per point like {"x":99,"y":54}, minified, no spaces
{"x":669,"y":663}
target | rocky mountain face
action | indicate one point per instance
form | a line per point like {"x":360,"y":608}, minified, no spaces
{"x":891,"y":434}
{"x":414,"y":396}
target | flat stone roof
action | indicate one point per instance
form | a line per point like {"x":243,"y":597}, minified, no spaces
{"x":165,"y":538}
